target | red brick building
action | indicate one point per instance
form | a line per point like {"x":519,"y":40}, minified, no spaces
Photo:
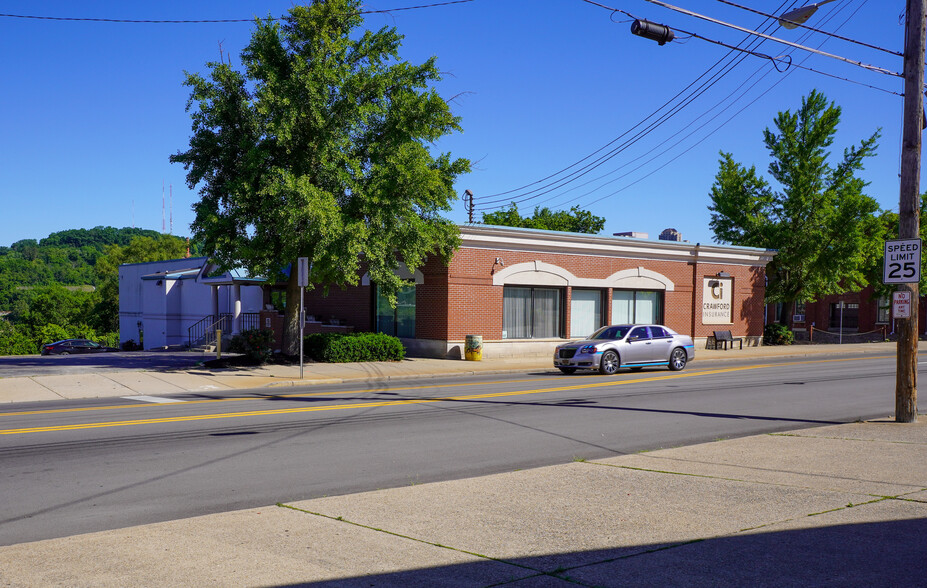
{"x":850,"y":317}
{"x":524,"y":291}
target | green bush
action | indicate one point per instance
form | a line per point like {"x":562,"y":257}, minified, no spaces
{"x":13,"y":341}
{"x":256,"y":344}
{"x":777,"y":334}
{"x":351,"y":347}
{"x":131,"y":345}
{"x":108,"y":339}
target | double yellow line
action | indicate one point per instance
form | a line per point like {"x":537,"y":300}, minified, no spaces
{"x":607,"y":381}
{"x":354,"y":406}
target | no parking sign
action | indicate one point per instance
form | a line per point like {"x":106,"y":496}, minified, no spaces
{"x":901,"y":304}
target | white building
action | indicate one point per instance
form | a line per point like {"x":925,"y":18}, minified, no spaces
{"x":174,"y":302}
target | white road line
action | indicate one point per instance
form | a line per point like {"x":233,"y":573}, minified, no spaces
{"x":156,"y":399}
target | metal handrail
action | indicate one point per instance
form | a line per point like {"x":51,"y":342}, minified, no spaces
{"x":204,"y":330}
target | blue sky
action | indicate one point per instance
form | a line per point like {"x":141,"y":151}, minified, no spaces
{"x":91,"y":111}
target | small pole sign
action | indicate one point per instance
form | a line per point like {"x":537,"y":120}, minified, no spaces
{"x":901,"y":304}
{"x":902,"y":262}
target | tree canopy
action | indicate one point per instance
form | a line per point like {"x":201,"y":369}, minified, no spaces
{"x":319,"y":148}
{"x":822,"y":224}
{"x":575,"y":220}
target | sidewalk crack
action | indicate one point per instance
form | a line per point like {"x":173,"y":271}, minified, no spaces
{"x":558,"y":573}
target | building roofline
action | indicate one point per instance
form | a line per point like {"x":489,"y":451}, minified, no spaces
{"x":520,"y":239}
{"x":191,"y":260}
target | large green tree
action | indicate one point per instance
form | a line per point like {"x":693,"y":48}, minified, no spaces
{"x":574,"y":220}
{"x":319,"y":148}
{"x":816,"y":215}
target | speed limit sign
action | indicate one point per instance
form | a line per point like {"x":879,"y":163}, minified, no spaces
{"x":902,"y":262}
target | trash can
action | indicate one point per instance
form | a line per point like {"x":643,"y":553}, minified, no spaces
{"x":473,"y":348}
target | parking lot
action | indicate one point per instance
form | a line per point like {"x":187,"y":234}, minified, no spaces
{"x":13,"y":366}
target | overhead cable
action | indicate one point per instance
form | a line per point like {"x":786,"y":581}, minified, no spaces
{"x":804,"y":26}
{"x":874,"y":68}
{"x":661,"y":119}
{"x":220,"y":20}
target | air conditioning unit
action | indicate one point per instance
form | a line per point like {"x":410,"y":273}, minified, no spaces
{"x":798,"y":318}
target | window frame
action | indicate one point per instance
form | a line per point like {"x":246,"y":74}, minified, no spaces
{"x":531,"y":311}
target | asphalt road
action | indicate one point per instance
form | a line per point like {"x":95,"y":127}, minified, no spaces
{"x":81,"y":466}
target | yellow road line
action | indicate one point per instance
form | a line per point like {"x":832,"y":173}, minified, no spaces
{"x":243,"y":398}
{"x":610,"y":381}
{"x":189,"y":418}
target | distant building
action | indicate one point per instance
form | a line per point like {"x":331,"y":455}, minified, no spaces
{"x":633,"y":234}
{"x":670,"y":235}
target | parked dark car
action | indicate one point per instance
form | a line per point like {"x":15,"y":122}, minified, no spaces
{"x":69,"y":346}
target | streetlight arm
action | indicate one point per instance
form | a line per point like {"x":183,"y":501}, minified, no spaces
{"x":794,"y":18}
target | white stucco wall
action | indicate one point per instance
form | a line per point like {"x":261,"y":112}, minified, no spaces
{"x":167,"y":309}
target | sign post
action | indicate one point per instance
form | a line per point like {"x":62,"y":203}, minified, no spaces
{"x":302,"y":280}
{"x":902,"y":265}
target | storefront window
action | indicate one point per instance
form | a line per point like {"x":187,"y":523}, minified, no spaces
{"x":637,"y":307}
{"x":399,"y":321}
{"x":585,"y":312}
{"x":885,"y":311}
{"x":531,"y":313}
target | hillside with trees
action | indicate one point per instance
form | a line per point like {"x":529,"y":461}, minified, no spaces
{"x":67,"y":284}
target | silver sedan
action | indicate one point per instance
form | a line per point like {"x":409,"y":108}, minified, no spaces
{"x":632,"y":346}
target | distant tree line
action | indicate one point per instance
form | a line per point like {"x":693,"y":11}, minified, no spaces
{"x":67,"y":284}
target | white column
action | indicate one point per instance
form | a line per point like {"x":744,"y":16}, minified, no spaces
{"x":215,"y":302}
{"x":236,"y":313}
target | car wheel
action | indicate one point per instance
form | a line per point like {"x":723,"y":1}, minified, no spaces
{"x":609,"y":364}
{"x":678,"y":359}
{"x":568,"y":371}
{"x":64,"y":353}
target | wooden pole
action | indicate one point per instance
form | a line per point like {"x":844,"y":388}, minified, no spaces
{"x":909,"y":203}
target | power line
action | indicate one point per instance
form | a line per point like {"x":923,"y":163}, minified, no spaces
{"x":776,"y":39}
{"x":836,"y":36}
{"x":205,"y":21}
{"x":719,"y":127}
{"x":562,"y":182}
{"x":559,"y":183}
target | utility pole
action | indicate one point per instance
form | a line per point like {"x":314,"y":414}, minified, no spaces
{"x":469,"y":205}
{"x":909,"y":202}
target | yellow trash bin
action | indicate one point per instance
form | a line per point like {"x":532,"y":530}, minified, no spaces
{"x":473,"y":349}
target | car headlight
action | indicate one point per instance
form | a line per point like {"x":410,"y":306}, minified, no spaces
{"x":588,"y":349}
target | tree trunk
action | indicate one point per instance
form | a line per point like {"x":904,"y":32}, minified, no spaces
{"x":291,"y":325}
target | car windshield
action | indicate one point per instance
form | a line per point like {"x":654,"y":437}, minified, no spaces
{"x":611,"y":332}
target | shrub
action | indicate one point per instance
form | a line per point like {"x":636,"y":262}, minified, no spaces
{"x":255,"y":344}
{"x":130,"y":345}
{"x":108,"y":340}
{"x":777,"y":334}
{"x":51,"y":333}
{"x":351,"y":347}
{"x":15,"y":342}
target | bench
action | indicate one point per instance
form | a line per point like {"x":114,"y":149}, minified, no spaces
{"x":725,"y":337}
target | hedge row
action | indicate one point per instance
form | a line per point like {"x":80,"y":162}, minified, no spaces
{"x":350,"y":347}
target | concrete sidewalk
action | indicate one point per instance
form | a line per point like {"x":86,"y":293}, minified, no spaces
{"x":842,"y":505}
